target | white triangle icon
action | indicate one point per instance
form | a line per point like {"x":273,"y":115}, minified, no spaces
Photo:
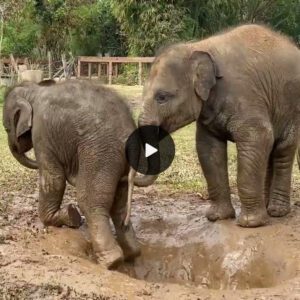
{"x":149,"y":150}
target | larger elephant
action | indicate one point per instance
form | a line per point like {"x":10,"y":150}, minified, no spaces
{"x":242,"y":85}
{"x":78,"y":132}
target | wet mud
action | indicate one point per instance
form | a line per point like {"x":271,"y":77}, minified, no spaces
{"x":184,"y":256}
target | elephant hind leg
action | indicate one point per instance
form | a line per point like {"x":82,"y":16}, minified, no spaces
{"x":52,"y":187}
{"x":254,"y":146}
{"x":125,"y":235}
{"x":96,"y":193}
{"x":268,"y":181}
{"x":282,"y":164}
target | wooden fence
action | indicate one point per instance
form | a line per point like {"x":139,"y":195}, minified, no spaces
{"x":110,"y":63}
{"x":82,"y":66}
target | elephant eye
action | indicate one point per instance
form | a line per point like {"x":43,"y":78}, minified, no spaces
{"x":162,"y":97}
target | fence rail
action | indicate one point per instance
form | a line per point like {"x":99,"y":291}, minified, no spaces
{"x":82,"y":66}
{"x":110,"y":62}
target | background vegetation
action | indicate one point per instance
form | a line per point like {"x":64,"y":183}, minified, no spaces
{"x":129,"y":27}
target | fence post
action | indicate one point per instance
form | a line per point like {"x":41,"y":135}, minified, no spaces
{"x":79,"y":68}
{"x":110,"y":72}
{"x":90,"y":70}
{"x":140,"y":72}
{"x":49,"y":65}
{"x":64,"y":62}
{"x":99,"y":71}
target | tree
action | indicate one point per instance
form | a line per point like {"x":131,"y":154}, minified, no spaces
{"x":19,"y":31}
{"x":85,"y":27}
{"x":97,"y":31}
{"x":147,"y":24}
{"x":211,"y":16}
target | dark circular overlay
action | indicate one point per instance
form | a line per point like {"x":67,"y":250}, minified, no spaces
{"x":145,"y":140}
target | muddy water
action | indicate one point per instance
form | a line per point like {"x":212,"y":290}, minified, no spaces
{"x":180,"y":246}
{"x":188,"y":249}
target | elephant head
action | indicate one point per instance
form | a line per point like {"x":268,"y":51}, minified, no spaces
{"x":180,"y":80}
{"x":17,"y":121}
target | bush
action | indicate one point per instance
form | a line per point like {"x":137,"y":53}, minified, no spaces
{"x":129,"y":74}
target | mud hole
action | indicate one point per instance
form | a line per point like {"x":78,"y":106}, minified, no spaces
{"x":183,"y":255}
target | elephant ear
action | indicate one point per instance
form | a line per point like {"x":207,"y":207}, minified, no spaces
{"x":205,"y":73}
{"x":22,"y":117}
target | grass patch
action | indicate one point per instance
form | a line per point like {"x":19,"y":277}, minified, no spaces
{"x":184,"y":175}
{"x":2,"y":91}
{"x":13,"y":176}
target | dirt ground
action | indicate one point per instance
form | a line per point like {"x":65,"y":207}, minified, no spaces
{"x":184,"y":256}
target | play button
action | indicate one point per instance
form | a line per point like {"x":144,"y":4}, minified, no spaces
{"x":150,"y":150}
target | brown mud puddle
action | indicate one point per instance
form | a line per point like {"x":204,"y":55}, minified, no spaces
{"x":183,"y":256}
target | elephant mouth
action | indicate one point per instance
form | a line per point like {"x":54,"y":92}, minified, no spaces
{"x":170,"y":125}
{"x":24,"y":143}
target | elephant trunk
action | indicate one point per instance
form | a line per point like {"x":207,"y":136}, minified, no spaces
{"x":149,"y":135}
{"x":22,"y":158}
{"x":145,"y":180}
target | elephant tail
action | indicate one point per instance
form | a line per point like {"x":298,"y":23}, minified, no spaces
{"x":298,"y":157}
{"x":130,"y":180}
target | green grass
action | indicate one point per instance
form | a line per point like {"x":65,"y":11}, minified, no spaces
{"x":2,"y":91}
{"x":184,"y":175}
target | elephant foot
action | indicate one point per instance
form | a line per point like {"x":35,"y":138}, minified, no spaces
{"x":220,"y":212}
{"x":130,"y":253}
{"x":253,"y":219}
{"x":111,"y":259}
{"x":67,"y":216}
{"x":73,"y":217}
{"x":128,"y":242}
{"x":278,"y":209}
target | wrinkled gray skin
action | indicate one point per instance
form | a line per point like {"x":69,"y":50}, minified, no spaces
{"x":78,"y":131}
{"x":243,"y":86}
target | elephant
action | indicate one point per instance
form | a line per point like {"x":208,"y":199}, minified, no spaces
{"x":240,"y":85}
{"x":78,"y":131}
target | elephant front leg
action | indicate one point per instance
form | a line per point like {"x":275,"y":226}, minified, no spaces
{"x":282,"y":162}
{"x":212,"y":154}
{"x":52,"y":187}
{"x":125,"y":235}
{"x":253,"y":150}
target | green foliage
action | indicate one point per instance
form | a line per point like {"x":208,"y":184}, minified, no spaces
{"x":128,"y":76}
{"x":83,"y":27}
{"x":20,"y":31}
{"x":148,"y":24}
{"x":97,"y":31}
{"x":211,"y":16}
{"x":122,"y":27}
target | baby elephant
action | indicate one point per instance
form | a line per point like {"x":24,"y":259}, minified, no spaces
{"x":78,"y":132}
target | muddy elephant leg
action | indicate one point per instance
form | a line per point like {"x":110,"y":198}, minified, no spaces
{"x":125,"y":235}
{"x":282,"y":162}
{"x":95,"y":197}
{"x":52,"y":187}
{"x":212,"y":154}
{"x":253,"y":154}
{"x":268,"y":181}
